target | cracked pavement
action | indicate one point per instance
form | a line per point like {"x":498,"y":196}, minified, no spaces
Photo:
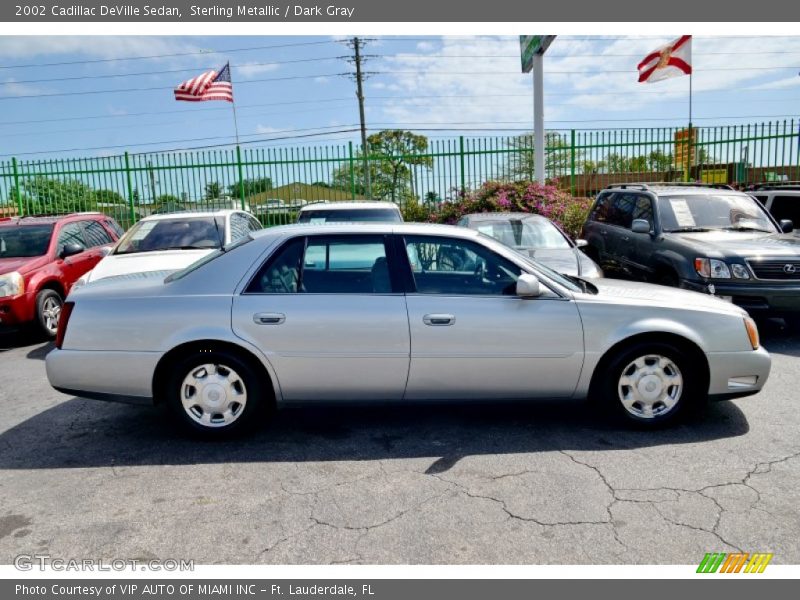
{"x":510,"y":484}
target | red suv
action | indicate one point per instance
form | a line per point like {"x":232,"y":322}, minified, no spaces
{"x":40,"y":259}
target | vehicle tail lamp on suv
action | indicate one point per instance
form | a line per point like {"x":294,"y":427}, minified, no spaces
{"x":711,"y":268}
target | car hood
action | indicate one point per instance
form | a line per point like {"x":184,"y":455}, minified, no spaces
{"x":22,"y":265}
{"x":141,"y":262}
{"x":744,"y":244}
{"x":634,"y":292}
{"x":562,"y":260}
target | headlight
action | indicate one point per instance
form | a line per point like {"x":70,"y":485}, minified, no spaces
{"x":740,"y":271}
{"x":712,"y":268}
{"x":752,"y":332}
{"x":11,"y":284}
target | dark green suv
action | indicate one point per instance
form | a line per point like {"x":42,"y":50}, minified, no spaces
{"x":710,"y":239}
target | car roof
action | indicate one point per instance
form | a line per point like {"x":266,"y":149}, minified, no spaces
{"x":46,"y":219}
{"x":503,"y":216}
{"x":284,"y":231}
{"x":349,"y":205}
{"x":193,"y":214}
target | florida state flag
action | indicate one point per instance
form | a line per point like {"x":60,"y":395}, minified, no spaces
{"x":670,"y":60}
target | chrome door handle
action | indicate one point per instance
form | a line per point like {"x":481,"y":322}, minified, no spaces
{"x":269,"y":318}
{"x":438,"y":319}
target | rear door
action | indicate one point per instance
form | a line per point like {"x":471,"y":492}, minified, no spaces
{"x":330,"y":318}
{"x":473,"y":338}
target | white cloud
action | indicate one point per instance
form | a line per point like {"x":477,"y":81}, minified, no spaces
{"x":322,"y":79}
{"x":265,"y":129}
{"x":251,"y":70}
{"x":582,"y":76}
{"x":12,"y":88}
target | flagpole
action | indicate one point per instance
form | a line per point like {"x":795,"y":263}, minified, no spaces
{"x":238,"y":148}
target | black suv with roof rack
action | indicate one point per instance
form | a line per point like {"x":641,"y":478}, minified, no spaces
{"x":706,"y":238}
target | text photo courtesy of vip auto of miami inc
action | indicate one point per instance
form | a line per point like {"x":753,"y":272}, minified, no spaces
{"x":399,"y":300}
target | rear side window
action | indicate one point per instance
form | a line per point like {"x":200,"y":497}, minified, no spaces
{"x":786,"y":207}
{"x":96,"y":235}
{"x":326,"y":265}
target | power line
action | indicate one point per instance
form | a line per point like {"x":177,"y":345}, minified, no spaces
{"x":172,"y":55}
{"x":188,"y":70}
{"x":149,"y":89}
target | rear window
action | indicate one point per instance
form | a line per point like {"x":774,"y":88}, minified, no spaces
{"x":207,"y":259}
{"x":23,"y":241}
{"x":346,"y":215}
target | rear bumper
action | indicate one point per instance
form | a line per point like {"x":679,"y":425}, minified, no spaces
{"x":737,"y":374}
{"x":756,"y":299}
{"x":115,"y":376}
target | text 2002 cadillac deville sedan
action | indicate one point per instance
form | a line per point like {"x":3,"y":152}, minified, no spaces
{"x":395,"y":312}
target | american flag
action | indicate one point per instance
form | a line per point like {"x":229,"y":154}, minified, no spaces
{"x":207,"y":86}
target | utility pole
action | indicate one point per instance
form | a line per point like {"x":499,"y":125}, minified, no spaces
{"x":356,"y":45}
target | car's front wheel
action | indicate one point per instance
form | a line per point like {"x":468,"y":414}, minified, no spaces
{"x":652,"y":384}
{"x":215,"y":393}
{"x":48,"y":310}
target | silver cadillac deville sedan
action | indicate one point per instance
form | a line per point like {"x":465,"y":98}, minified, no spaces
{"x":394,"y":312}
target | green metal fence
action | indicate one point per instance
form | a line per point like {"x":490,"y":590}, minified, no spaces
{"x":273,"y":182}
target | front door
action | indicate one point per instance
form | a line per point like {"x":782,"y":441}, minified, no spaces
{"x":473,"y":338}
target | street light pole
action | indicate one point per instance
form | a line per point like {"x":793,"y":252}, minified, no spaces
{"x":538,"y":117}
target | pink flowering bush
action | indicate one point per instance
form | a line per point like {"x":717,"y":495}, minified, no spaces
{"x":560,"y":207}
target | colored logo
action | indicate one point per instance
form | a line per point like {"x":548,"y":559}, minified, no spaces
{"x":738,"y":562}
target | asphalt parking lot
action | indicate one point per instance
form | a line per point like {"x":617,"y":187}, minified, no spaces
{"x":537,"y":483}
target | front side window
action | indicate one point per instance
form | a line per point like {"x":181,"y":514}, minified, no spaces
{"x":786,"y":207}
{"x":71,"y":233}
{"x":96,"y":235}
{"x":621,"y":211}
{"x":326,"y":265}
{"x":240,"y":226}
{"x":451,"y":266}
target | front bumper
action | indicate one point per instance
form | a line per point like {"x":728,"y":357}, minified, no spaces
{"x":757,"y":299}
{"x":16,"y":311}
{"x":117,"y":376}
{"x":737,"y":374}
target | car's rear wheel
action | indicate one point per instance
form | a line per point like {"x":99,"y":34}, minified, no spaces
{"x":48,"y":310}
{"x":652,"y":384}
{"x":215,"y":393}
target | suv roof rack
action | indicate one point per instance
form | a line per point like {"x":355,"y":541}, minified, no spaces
{"x":775,"y":185}
{"x":649,"y":184}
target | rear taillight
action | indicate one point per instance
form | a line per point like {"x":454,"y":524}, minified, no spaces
{"x":63,"y":319}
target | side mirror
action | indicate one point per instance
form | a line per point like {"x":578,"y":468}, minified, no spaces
{"x":581,"y":243}
{"x":787,"y":226}
{"x":528,"y":286}
{"x":71,"y":249}
{"x":640,"y":226}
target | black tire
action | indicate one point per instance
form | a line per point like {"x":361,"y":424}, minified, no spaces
{"x":688,"y":401}
{"x":246,"y":378}
{"x":48,"y":308}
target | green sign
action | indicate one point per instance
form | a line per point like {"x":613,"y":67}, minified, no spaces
{"x":531,"y":45}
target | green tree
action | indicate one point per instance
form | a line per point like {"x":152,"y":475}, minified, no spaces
{"x":393,"y":155}
{"x":42,"y":195}
{"x":251,"y":186}
{"x":213,"y":190}
{"x":557,"y":156}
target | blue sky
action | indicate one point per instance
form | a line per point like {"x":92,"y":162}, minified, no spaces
{"x":294,"y":86}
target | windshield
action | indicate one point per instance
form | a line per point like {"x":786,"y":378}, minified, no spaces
{"x":735,"y":212}
{"x":25,"y":240}
{"x":180,"y":233}
{"x":348,"y":215}
{"x":525,"y":233}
